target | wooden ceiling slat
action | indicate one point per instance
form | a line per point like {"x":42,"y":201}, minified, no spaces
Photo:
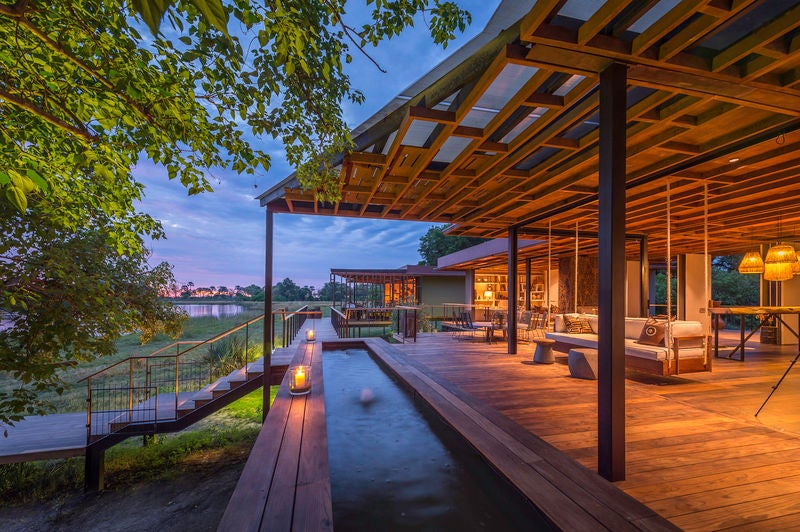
{"x":788,"y":21}
{"x":665,"y":24}
{"x":530,"y":86}
{"x":600,"y":19}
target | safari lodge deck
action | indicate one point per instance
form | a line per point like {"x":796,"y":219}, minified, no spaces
{"x":695,"y":453}
{"x":623,"y":134}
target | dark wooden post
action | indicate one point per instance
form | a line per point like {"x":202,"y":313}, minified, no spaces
{"x":512,"y":290}
{"x":644,"y":265}
{"x":611,"y":269}
{"x":268,"y":327}
{"x":94,"y":468}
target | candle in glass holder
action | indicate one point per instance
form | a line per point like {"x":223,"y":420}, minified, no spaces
{"x":300,"y":381}
{"x":311,"y":335}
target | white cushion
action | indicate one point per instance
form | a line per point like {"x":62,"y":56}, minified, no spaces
{"x":633,"y":327}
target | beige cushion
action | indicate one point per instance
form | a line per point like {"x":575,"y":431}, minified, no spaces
{"x":592,"y":319}
{"x":560,"y":325}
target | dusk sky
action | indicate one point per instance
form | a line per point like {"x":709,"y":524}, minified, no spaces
{"x":218,"y":238}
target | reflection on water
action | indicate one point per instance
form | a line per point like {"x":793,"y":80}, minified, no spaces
{"x":395,"y":467}
{"x":211,"y":311}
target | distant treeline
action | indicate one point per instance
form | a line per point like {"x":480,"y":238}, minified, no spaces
{"x":286,"y":290}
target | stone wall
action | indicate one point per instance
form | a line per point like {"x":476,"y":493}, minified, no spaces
{"x":587,"y":283}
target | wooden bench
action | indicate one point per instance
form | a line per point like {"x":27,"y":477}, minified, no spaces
{"x":285,"y":484}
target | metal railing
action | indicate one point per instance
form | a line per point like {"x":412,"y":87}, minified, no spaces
{"x":291,"y":323}
{"x":147,"y":389}
{"x":406,"y":322}
{"x":346,"y":321}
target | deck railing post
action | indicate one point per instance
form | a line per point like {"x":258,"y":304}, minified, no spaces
{"x":88,"y":410}
{"x":130,"y":390}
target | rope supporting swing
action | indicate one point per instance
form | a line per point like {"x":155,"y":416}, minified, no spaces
{"x":549,"y":252}
{"x":706,"y":264}
{"x":668,"y":335}
{"x":575,"y":309}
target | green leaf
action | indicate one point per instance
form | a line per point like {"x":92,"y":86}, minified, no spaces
{"x":152,"y":11}
{"x":16,"y":197}
{"x":40,"y":182}
{"x":214,"y":13}
{"x":4,"y":179}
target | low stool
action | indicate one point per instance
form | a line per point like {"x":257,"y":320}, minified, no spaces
{"x":543,"y":354}
{"x":582,"y":363}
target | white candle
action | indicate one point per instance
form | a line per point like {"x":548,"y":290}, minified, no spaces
{"x":300,"y":378}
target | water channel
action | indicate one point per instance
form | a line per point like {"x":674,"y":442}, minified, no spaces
{"x":395,"y":466}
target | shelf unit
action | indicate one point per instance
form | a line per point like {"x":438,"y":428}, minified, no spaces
{"x":497,"y":286}
{"x":491,"y":290}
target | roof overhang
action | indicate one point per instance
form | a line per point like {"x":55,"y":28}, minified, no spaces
{"x":508,"y":136}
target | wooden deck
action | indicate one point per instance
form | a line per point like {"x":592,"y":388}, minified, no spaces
{"x":285,"y":484}
{"x":695,"y":452}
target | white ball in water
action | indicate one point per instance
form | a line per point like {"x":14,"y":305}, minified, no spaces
{"x":367,"y":395}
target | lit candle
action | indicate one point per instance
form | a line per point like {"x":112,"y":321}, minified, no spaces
{"x":310,"y":335}
{"x":300,"y":378}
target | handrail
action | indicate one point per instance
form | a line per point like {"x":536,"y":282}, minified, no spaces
{"x":143,"y":384}
{"x":197,"y":343}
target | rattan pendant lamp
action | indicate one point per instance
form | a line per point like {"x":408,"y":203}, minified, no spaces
{"x":779,"y":261}
{"x":751,"y":263}
{"x":778,"y":264}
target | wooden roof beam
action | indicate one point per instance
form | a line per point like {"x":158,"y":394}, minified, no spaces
{"x":665,"y":24}
{"x":465,"y":105}
{"x":542,"y":12}
{"x":432,"y":115}
{"x":599,"y":20}
{"x":530,"y":87}
{"x":550,"y":101}
{"x":366,"y":158}
{"x":788,"y":21}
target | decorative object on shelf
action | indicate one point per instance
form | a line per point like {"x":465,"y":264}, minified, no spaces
{"x":299,"y":380}
{"x":778,"y":262}
{"x":751,"y":263}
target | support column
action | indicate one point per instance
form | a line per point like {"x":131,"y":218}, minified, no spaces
{"x":528,"y":283}
{"x":94,"y":468}
{"x":268,"y":327}
{"x":611,"y":269}
{"x":512,"y":290}
{"x":644,"y":264}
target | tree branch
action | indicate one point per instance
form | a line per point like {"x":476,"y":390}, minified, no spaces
{"x":348,"y":31}
{"x":18,"y":14}
{"x":81,"y":132}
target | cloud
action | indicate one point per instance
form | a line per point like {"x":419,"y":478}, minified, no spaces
{"x":218,"y":238}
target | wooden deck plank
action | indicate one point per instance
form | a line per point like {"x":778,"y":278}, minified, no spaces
{"x":601,"y":500}
{"x":692,"y":440}
{"x":312,"y":509}
{"x":253,"y":488}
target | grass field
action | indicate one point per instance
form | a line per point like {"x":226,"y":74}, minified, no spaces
{"x":229,"y":432}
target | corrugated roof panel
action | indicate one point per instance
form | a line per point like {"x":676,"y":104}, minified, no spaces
{"x":523,"y":124}
{"x":505,"y":86}
{"x":478,"y":117}
{"x":451,"y":148}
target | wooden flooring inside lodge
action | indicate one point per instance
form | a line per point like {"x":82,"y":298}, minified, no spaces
{"x":696,"y":453}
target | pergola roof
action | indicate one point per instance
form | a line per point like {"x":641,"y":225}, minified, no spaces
{"x":509,"y":136}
